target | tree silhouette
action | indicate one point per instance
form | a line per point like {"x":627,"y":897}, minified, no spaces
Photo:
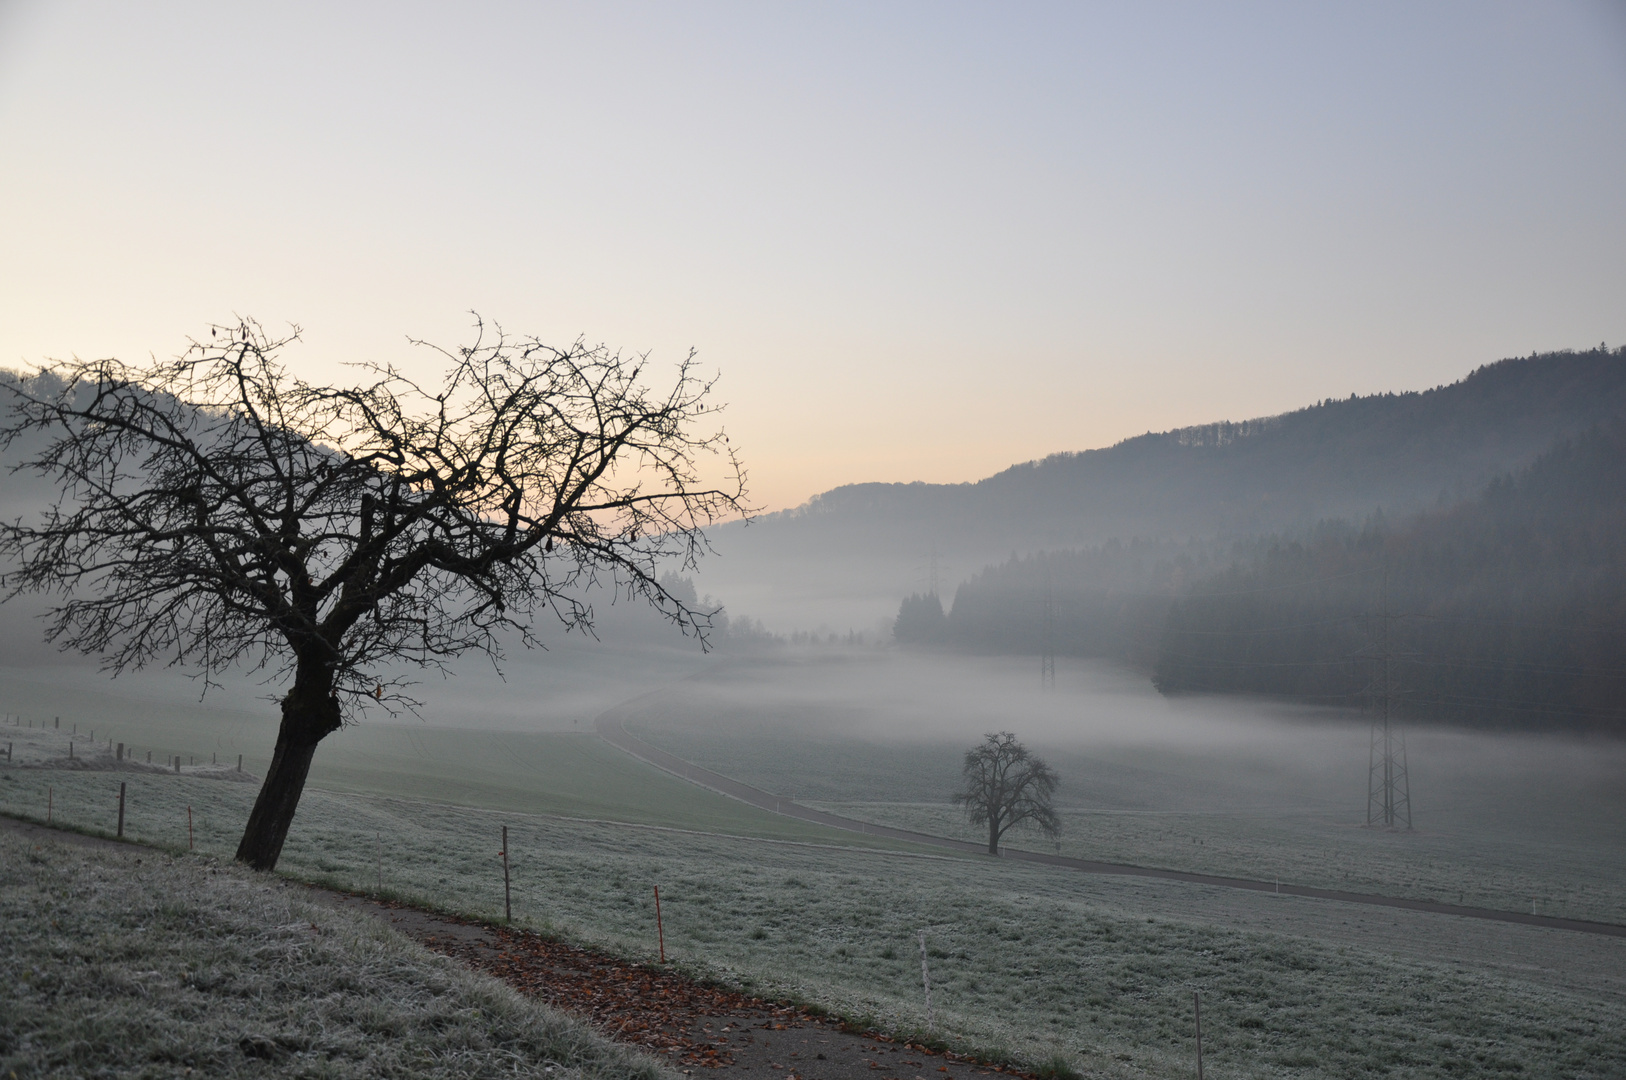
{"x":218,"y":512}
{"x":1006,"y":786}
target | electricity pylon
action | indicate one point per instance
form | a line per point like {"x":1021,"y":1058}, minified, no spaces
{"x":1047,"y":631}
{"x":1388,"y":788}
{"x":932,"y":571}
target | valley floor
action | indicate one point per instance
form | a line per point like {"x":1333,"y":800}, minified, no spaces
{"x":1029,"y":962}
{"x":1024,"y":961}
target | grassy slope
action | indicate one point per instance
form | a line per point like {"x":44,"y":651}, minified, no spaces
{"x":1098,"y":970}
{"x":137,"y":963}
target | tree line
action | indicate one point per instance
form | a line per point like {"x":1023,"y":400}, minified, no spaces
{"x":1507,"y":610}
{"x":1108,"y":601}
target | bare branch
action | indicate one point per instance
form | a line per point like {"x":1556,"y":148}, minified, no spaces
{"x":216,"y":510}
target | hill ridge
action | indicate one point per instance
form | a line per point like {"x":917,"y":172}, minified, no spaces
{"x":1220,"y":434}
{"x":845,"y":556}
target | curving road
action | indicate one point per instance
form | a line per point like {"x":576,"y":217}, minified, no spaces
{"x":610,"y":727}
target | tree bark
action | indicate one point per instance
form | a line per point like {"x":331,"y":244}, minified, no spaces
{"x":993,"y":835}
{"x":309,"y":714}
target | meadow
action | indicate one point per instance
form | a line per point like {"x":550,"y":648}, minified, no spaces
{"x":542,"y":773}
{"x":136,"y":963}
{"x":1025,"y":961}
{"x":1511,"y":822}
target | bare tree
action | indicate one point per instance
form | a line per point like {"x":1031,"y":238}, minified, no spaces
{"x":219,"y":512}
{"x":1006,"y":786}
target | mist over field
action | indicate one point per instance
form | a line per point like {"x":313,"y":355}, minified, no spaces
{"x":1079,"y":540}
{"x":897,"y":725}
{"x":1195,"y":631}
{"x":1177,"y":744}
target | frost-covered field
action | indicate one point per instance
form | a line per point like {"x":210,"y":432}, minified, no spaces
{"x":1310,"y":851}
{"x":1217,"y":787}
{"x":136,"y":963}
{"x":1033,"y":960}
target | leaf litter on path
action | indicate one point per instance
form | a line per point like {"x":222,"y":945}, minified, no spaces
{"x":686,"y":1022}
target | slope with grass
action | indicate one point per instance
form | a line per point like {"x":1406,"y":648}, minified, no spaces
{"x":1025,"y":961}
{"x":139,"y":963}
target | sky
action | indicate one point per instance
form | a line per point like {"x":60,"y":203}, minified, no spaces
{"x":920,"y":241}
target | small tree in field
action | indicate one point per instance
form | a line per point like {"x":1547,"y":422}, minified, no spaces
{"x":1006,"y":786}
{"x":219,"y":512}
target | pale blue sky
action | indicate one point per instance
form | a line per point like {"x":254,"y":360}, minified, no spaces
{"x":921,"y":241}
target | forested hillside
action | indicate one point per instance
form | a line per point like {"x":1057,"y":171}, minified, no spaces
{"x":1109,"y":600}
{"x":1395,"y":453}
{"x":1505,"y":610}
{"x":1508,"y":610}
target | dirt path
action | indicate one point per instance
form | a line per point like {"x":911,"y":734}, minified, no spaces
{"x":692,"y":1026}
{"x":697,"y":1029}
{"x":610,"y":727}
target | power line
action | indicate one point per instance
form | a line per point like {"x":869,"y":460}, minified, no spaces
{"x":1388,"y":782}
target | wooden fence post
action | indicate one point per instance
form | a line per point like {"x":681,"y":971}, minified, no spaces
{"x":507,"y":901}
{"x":1197,"y":1002}
{"x":660,"y":931}
{"x":926,"y":981}
{"x":189,"y":828}
{"x":121,"y":809}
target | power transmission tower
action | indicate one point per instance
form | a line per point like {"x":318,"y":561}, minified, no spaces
{"x":932,"y":570}
{"x":1388,"y":788}
{"x":1047,"y":630}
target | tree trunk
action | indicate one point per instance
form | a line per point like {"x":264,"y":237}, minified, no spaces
{"x":993,"y":835}
{"x":309,"y":714}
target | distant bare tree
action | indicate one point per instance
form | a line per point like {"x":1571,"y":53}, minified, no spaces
{"x":1006,"y":786}
{"x":219,"y":512}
